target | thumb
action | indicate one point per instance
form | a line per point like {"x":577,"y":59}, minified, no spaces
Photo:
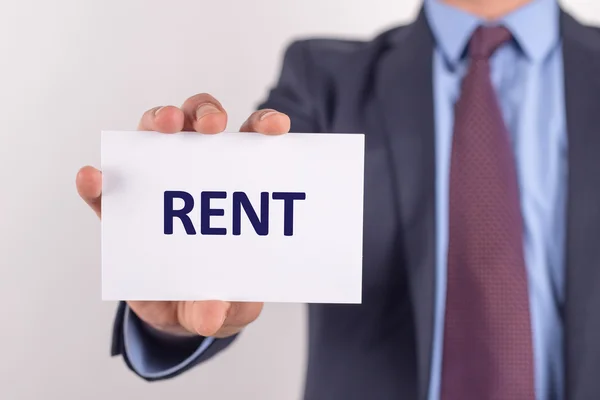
{"x":89,"y":187}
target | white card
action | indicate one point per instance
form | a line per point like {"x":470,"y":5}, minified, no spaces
{"x":233,"y":216}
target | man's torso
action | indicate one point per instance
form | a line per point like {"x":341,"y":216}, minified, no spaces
{"x":382,"y":349}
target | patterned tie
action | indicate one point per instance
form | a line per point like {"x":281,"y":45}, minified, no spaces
{"x":488,"y":352}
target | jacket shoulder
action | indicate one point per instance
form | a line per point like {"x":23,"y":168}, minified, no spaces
{"x":318,"y":72}
{"x":578,"y":33}
{"x":331,"y":53}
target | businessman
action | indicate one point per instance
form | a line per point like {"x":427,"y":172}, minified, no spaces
{"x":481,"y":219}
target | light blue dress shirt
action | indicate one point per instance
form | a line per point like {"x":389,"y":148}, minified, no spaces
{"x":528,"y":77}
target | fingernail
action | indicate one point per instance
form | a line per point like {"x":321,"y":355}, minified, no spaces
{"x":206,"y":109}
{"x":159,"y":109}
{"x":267,"y":115}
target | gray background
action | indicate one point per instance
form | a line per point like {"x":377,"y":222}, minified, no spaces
{"x":70,"y":68}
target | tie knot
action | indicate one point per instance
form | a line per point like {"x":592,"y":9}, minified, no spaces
{"x":486,"y":40}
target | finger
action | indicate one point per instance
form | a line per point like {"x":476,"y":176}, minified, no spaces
{"x":168,"y":119}
{"x":205,"y":114}
{"x":89,"y":187}
{"x":269,"y":122}
{"x":239,"y":316}
{"x":161,"y":315}
{"x":204,"y":318}
{"x":217,"y":318}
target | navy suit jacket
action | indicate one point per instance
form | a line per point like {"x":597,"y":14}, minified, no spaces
{"x":381,"y":349}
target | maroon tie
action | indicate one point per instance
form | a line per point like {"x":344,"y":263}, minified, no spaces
{"x":488,"y":352}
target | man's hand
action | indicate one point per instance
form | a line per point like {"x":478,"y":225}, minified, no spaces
{"x":204,"y":114}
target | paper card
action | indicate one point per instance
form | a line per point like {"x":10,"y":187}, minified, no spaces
{"x":233,"y":216}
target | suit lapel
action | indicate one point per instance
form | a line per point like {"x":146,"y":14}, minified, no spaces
{"x":581,"y":50}
{"x":405,"y":96}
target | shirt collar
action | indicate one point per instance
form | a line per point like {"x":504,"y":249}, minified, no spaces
{"x":534,"y":26}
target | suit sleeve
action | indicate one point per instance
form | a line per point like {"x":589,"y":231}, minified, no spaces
{"x":297,"y":92}
{"x":154,"y":356}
